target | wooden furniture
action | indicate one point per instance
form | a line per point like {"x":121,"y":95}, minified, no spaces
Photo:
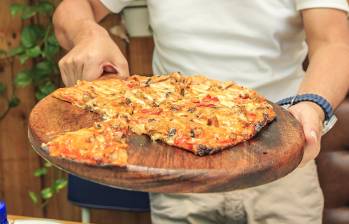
{"x":156,"y":167}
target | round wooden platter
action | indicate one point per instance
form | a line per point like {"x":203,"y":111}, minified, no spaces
{"x":156,"y":167}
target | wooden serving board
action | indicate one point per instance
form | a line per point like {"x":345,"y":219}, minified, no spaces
{"x":156,"y":167}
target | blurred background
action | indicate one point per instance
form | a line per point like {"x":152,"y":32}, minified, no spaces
{"x":28,"y":72}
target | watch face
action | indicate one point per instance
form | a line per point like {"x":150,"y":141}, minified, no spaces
{"x":328,"y":125}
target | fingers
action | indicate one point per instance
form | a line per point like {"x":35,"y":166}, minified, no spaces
{"x":64,"y":74}
{"x":312,"y":139}
{"x":90,"y":58}
{"x":92,"y":71}
{"x":312,"y":124}
{"x":76,"y":67}
{"x":71,"y":69}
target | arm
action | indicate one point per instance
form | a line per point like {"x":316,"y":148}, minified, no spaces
{"x":327,"y":33}
{"x":92,"y":51}
{"x":77,"y":17}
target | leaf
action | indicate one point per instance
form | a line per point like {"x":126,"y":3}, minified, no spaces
{"x":14,"y":101}
{"x":50,"y":50}
{"x":44,"y":67}
{"x":30,"y":35}
{"x":33,"y":197}
{"x":48,"y":164}
{"x":47,"y":193}
{"x":42,"y":71}
{"x":33,"y":52}
{"x":52,"y":40}
{"x":51,"y":47}
{"x":39,"y":95}
{"x":23,"y":58}
{"x":23,"y":78}
{"x":16,"y":8}
{"x":2,"y":53}
{"x":28,"y":12}
{"x":44,"y":7}
{"x":15,"y":51}
{"x":2,"y":88}
{"x":40,"y":172}
{"x":59,"y":184}
{"x":45,"y":90}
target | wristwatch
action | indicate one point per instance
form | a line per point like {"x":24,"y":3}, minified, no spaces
{"x":330,"y":118}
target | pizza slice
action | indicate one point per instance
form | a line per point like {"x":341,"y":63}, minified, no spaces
{"x":105,"y":97}
{"x":185,"y":130}
{"x":192,"y":136}
{"x":103,"y":144}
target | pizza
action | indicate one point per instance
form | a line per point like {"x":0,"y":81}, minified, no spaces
{"x":193,"y":113}
{"x":102,"y":144}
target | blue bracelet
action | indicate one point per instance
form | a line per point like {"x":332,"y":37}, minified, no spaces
{"x":319,"y":100}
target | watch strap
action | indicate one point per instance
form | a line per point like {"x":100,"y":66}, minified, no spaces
{"x":319,"y":100}
{"x":330,"y":118}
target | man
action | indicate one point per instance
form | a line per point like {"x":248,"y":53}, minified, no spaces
{"x":259,"y":44}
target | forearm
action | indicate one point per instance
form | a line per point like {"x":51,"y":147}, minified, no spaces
{"x":75,"y":19}
{"x":328,"y":72}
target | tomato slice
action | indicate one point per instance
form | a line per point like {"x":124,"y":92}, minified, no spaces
{"x":210,"y":98}
{"x":227,"y":141}
{"x":152,"y":111}
{"x":131,"y":84}
{"x":251,"y":115}
{"x":204,"y":104}
{"x":183,"y":142}
{"x":208,"y":101}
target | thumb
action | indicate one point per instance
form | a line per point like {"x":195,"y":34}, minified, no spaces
{"x":312,"y":140}
{"x":120,"y":65}
{"x":311,"y":136}
{"x":311,"y":129}
{"x":109,"y":68}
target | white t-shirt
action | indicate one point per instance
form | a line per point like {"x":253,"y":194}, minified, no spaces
{"x":256,"y":43}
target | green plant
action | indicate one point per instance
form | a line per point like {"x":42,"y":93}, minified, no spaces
{"x":39,"y":45}
{"x":47,"y":192}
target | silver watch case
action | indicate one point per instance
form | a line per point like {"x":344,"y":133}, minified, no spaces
{"x":328,"y":125}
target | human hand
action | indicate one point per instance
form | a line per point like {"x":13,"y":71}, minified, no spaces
{"x":311,"y":117}
{"x":93,"y":54}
